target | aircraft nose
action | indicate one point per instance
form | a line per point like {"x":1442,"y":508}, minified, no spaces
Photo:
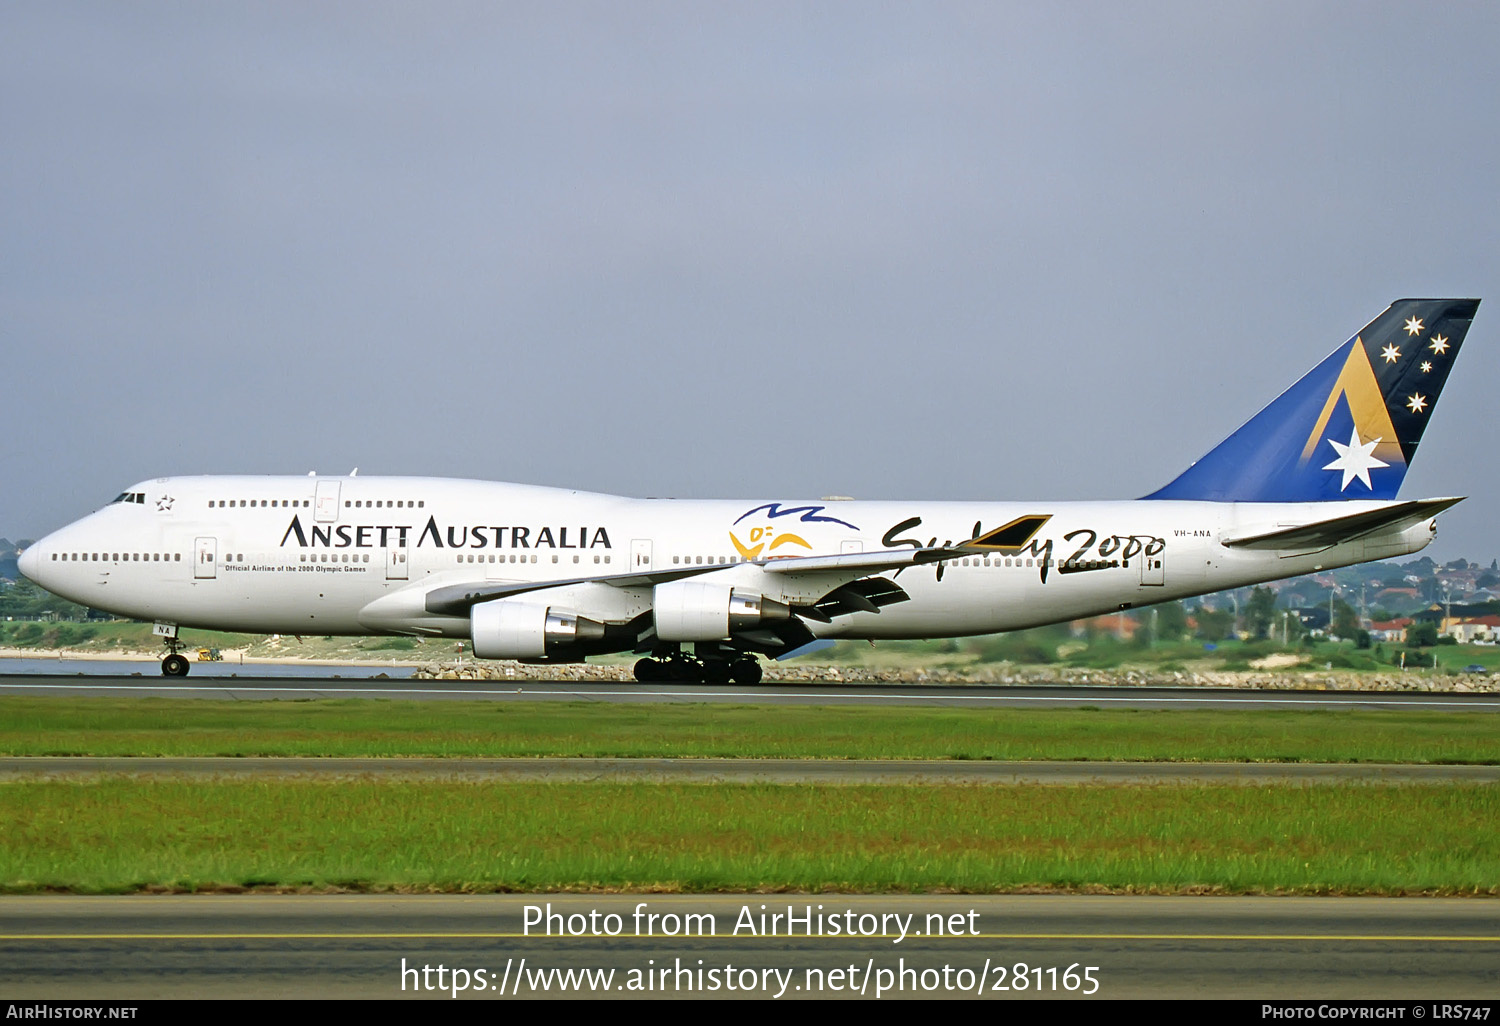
{"x":30,"y":562}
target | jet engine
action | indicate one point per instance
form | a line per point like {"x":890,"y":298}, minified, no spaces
{"x":696,"y":610}
{"x":527,"y":628}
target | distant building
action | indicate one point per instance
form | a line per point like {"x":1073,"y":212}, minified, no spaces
{"x":1389,"y":630}
{"x":1476,"y":629}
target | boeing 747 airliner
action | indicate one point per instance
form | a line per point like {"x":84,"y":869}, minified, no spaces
{"x":552,"y":575}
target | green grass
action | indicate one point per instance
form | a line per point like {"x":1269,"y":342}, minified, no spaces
{"x":356,"y":727}
{"x":119,"y":835}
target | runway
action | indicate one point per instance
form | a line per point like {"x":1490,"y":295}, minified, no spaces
{"x":246,"y":688}
{"x":746,"y":771}
{"x":353,"y":946}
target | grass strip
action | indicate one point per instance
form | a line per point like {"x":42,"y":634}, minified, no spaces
{"x":363,"y":727}
{"x":111,"y":835}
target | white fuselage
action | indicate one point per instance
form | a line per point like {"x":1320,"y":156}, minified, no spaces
{"x":356,"y":555}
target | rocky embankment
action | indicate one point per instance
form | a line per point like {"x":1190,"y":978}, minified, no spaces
{"x":1275,"y":680}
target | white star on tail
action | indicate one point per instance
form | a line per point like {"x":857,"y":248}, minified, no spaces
{"x":1440,"y":344}
{"x":1355,"y":460}
{"x":1413,"y":326}
{"x":1417,"y":403}
{"x":1391,"y":354}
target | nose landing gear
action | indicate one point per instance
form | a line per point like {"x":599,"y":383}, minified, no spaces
{"x":175,"y":664}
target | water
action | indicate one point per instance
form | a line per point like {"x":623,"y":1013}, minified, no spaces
{"x":201,"y":671}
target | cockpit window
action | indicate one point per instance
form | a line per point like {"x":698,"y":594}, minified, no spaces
{"x":129,"y":497}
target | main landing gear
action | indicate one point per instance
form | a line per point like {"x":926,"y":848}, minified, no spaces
{"x":687,"y":670}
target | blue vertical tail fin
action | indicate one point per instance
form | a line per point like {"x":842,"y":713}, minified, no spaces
{"x":1347,"y":430}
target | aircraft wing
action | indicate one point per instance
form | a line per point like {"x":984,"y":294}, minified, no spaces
{"x":457,"y":599}
{"x":1323,"y":533}
{"x":868,"y":562}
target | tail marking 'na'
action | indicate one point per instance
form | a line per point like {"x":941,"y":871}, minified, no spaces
{"x":1349,"y":429}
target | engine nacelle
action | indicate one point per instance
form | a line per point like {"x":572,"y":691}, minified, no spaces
{"x":696,"y":610}
{"x":527,"y":628}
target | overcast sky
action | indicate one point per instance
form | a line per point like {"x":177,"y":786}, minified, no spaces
{"x":905,"y":250}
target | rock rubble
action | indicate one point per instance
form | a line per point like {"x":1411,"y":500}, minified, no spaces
{"x":1271,"y":680}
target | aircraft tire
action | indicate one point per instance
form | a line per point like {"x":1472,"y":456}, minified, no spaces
{"x":648,"y":671}
{"x":175,"y":666}
{"x":745,"y":671}
{"x":718,"y":672}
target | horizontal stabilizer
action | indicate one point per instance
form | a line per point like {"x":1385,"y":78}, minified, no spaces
{"x":1323,"y":533}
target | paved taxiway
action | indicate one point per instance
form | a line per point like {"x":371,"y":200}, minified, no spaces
{"x":980,"y":696}
{"x":351,"y":946}
{"x":774,"y":771}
